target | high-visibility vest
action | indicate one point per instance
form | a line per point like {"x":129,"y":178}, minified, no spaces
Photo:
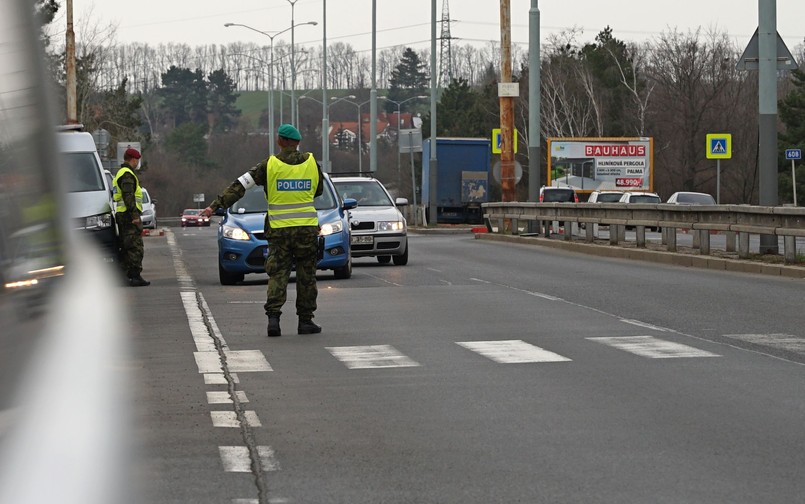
{"x":290,"y":193}
{"x":117,"y":195}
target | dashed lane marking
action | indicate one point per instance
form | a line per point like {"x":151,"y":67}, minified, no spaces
{"x":787,"y":342}
{"x":219,"y":378}
{"x":371,"y":356}
{"x":229,"y":419}
{"x":238,"y":361}
{"x":236,"y":458}
{"x":217,"y":397}
{"x":644,"y":325}
{"x":512,"y":351}
{"x":198,"y":325}
{"x":653,"y":348}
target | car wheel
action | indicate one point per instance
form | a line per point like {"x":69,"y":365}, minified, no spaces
{"x":345,"y":271}
{"x":228,"y":278}
{"x":384,"y":259}
{"x":402,"y":259}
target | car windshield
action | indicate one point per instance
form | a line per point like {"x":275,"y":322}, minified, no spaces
{"x":644,"y":198}
{"x":83,"y":174}
{"x":146,"y":198}
{"x":698,"y":199}
{"x":254,"y":201}
{"x":557,"y":196}
{"x":191,"y":212}
{"x":609,"y":197}
{"x":368,"y":193}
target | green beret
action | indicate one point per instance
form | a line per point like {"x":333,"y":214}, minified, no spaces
{"x":289,"y":132}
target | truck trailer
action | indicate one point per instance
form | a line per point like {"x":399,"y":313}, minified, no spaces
{"x":463,"y":172}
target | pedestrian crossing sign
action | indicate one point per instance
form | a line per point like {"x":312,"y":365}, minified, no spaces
{"x":719,"y":146}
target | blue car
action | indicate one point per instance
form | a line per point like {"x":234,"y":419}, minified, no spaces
{"x":242,"y":246}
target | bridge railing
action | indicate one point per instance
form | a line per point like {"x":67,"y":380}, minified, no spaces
{"x":739,"y":221}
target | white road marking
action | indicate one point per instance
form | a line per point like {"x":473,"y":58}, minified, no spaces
{"x":218,"y":397}
{"x":238,"y":361}
{"x":530,"y":293}
{"x":644,"y":325}
{"x":229,"y":419}
{"x":787,"y":342}
{"x":271,"y":500}
{"x":371,"y":356}
{"x":195,"y":319}
{"x":219,"y":378}
{"x":434,"y":269}
{"x":653,"y":348}
{"x":512,"y":351}
{"x":184,"y":278}
{"x":236,"y":458}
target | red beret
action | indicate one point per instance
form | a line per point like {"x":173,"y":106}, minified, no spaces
{"x":131,"y":153}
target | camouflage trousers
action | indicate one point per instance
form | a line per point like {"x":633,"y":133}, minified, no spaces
{"x":131,"y":246}
{"x":288,"y":247}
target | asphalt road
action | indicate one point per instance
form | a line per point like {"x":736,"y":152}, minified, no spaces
{"x":481,"y":372}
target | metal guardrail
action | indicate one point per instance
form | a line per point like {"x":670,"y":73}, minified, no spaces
{"x":734,"y":220}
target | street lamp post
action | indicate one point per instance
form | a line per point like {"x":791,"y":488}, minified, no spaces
{"x":294,"y":117}
{"x":271,"y":72}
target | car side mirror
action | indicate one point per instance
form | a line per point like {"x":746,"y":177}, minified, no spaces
{"x":349,"y":203}
{"x":401,"y":201}
{"x":220,"y":211}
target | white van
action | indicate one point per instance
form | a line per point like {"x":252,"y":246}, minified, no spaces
{"x":89,"y":198}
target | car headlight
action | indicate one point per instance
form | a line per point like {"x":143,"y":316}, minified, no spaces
{"x":101,"y":221}
{"x":235,"y":233}
{"x":331,"y":228}
{"x":390,"y":226}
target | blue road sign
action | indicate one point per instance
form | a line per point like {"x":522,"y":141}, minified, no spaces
{"x":793,"y":154}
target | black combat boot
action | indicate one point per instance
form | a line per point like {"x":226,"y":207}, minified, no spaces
{"x":138,"y":281}
{"x":308,"y":327}
{"x":274,"y":326}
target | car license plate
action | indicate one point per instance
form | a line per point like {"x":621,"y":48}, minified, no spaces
{"x":361,"y":240}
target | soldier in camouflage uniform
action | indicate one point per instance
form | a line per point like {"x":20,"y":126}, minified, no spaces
{"x":292,"y":240}
{"x":129,"y":200}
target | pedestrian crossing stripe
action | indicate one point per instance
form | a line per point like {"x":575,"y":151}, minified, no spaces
{"x":653,"y":348}
{"x":371,"y":356}
{"x":237,"y":459}
{"x":512,"y":351}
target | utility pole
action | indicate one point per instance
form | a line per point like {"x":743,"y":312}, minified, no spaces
{"x":433,"y":179}
{"x":372,"y":98}
{"x":72,"y":115}
{"x":325,"y":116}
{"x":534,"y":95}
{"x":767,"y":120}
{"x":506,"y":95}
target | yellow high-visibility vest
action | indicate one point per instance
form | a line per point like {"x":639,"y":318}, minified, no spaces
{"x":117,"y":195}
{"x":291,"y":189}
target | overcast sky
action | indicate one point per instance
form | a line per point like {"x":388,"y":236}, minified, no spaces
{"x":408,"y":21}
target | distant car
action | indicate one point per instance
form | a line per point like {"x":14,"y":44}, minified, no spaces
{"x":242,"y":245}
{"x":557,"y":195}
{"x":640,"y":197}
{"x":193,"y":217}
{"x":149,"y":216}
{"x":379,"y":229}
{"x":605,"y":196}
{"x":550,"y":194}
{"x":691,"y":198}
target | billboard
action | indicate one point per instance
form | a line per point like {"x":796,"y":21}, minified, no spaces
{"x":590,"y":164}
